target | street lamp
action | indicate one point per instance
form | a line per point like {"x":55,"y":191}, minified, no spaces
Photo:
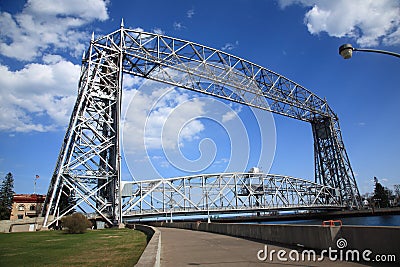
{"x":346,"y":51}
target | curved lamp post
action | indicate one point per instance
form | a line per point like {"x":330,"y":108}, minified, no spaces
{"x":346,"y":51}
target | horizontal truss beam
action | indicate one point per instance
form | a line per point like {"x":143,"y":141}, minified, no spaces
{"x":224,"y":193}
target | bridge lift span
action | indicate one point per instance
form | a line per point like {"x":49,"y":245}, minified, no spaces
{"x":87,"y":173}
{"x":224,"y":193}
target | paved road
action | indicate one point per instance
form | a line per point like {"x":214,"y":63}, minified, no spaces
{"x":195,"y":248}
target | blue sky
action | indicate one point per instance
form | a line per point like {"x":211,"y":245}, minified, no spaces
{"x":41,"y":43}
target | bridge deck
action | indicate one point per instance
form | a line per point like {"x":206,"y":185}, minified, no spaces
{"x":185,"y":247}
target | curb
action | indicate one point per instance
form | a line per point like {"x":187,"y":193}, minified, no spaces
{"x":151,"y":255}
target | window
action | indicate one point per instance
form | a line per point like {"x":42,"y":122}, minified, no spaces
{"x":21,"y":207}
{"x":20,"y":216}
{"x":32,"y":207}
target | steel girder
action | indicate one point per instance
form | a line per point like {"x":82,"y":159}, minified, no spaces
{"x":88,"y":167}
{"x":224,"y":193}
{"x":213,"y":72}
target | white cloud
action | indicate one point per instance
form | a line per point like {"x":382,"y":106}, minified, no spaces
{"x":221,"y":161}
{"x":158,"y":31}
{"x":190,"y":13}
{"x":190,"y":130}
{"x":165,"y":164}
{"x":85,"y":9}
{"x":47,"y":24}
{"x":230,"y":115}
{"x":393,"y":38}
{"x":178,"y":26}
{"x":137,"y":29}
{"x":38,"y":97}
{"x":230,"y":46}
{"x":51,"y":59}
{"x":171,"y":122}
{"x":160,"y":117}
{"x":369,"y":22}
{"x":131,"y":81}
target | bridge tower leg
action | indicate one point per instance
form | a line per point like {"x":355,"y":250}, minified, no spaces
{"x":332,"y":165}
{"x":87,"y":174}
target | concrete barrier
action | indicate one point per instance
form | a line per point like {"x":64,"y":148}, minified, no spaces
{"x":22,"y":225}
{"x":151,"y":255}
{"x":374,"y":238}
{"x":378,"y":239}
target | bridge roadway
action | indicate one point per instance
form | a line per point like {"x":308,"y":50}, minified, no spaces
{"x":196,"y":248}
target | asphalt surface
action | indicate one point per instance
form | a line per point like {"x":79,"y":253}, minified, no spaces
{"x":181,"y":247}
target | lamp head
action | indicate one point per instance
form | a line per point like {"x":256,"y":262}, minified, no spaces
{"x":346,"y":51}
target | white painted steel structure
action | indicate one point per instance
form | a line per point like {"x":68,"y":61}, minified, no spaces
{"x":87,"y":173}
{"x":224,"y":193}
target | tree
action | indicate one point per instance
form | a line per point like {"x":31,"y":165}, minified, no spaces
{"x":397,"y":190}
{"x":6,"y":196}
{"x":76,"y":223}
{"x":381,"y":194}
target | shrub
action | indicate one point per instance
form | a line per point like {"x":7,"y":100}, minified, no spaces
{"x":76,"y":223}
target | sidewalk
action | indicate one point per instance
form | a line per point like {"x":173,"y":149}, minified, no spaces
{"x":195,"y":248}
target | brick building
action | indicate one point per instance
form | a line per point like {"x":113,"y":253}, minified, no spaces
{"x":26,"y":206}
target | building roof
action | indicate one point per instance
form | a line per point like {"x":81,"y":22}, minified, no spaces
{"x":29,"y":198}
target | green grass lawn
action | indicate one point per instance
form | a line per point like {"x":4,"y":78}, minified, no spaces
{"x":108,"y":247}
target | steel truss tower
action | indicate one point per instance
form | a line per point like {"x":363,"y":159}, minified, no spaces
{"x":87,"y":173}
